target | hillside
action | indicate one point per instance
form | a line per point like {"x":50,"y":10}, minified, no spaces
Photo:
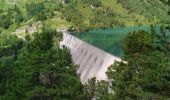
{"x":148,"y":8}
{"x":83,"y":15}
{"x":115,"y":13}
{"x":34,"y":65}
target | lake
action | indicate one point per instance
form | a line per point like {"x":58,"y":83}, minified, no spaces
{"x":109,"y":40}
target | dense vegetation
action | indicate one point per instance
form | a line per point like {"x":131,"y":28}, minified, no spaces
{"x":148,"y":8}
{"x":84,"y":14}
{"x":40,"y":11}
{"x":38,"y":71}
{"x":115,"y":13}
{"x":36,"y":68}
{"x":9,"y":45}
{"x":13,"y":15}
{"x":146,"y":72}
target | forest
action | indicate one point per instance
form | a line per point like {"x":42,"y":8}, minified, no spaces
{"x":34,"y":67}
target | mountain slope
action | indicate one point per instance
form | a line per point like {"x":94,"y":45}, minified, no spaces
{"x":148,"y":8}
{"x":112,"y":13}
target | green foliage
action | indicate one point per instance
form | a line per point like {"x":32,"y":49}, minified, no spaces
{"x":73,"y":15}
{"x":105,"y":20}
{"x":18,"y":14}
{"x":5,"y":72}
{"x":40,"y":71}
{"x":145,"y":74}
{"x":97,"y":89}
{"x":5,"y":21}
{"x":9,"y":45}
{"x":34,"y":9}
{"x":13,"y":15}
{"x":166,"y":1}
{"x":147,"y":8}
{"x":40,"y":11}
{"x":42,"y":42}
{"x":142,"y":42}
{"x":95,"y":3}
{"x":99,"y":14}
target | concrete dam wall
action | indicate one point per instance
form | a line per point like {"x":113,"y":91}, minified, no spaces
{"x":93,"y":62}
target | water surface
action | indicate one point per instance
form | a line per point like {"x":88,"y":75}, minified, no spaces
{"x":109,"y":40}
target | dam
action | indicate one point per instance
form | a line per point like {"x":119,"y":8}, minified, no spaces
{"x":92,"y":61}
{"x":94,"y":51}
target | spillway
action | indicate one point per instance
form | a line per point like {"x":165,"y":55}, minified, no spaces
{"x":92,"y":61}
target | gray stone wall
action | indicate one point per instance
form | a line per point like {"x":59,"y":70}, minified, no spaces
{"x":93,"y":62}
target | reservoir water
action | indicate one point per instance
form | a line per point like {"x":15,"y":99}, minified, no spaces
{"x":110,"y":40}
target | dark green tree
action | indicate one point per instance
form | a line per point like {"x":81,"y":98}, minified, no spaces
{"x":100,"y":90}
{"x":145,"y":72}
{"x":5,"y":21}
{"x":40,"y":71}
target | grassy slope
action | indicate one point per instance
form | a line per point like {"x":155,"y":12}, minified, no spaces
{"x":151,"y":9}
{"x":130,"y":18}
{"x":125,"y":16}
{"x":57,"y":22}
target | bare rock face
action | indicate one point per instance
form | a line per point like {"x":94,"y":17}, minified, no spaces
{"x":92,"y":61}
